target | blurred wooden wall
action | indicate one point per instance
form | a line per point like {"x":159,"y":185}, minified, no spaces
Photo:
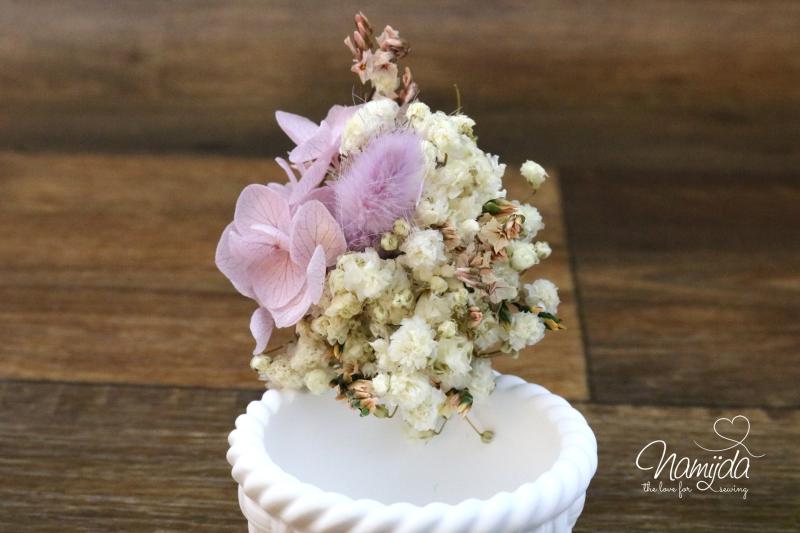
{"x":680,"y":84}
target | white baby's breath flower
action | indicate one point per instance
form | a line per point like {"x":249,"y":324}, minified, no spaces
{"x":408,"y":390}
{"x":365,"y":274}
{"x":458,"y":295}
{"x":432,"y":209}
{"x":385,"y":81}
{"x":423,"y":252}
{"x":307,"y":353}
{"x":433,"y":309}
{"x":410,"y":347}
{"x":534,"y":174}
{"x":488,"y":333}
{"x":279,"y":373}
{"x":356,"y":348}
{"x":453,"y":357}
{"x":508,"y":282}
{"x":481,"y":382}
{"x":389,"y":242}
{"x":333,"y":329}
{"x":463,"y":124}
{"x":542,"y":293}
{"x":533,"y":221}
{"x":425,"y":415}
{"x":542,"y":249}
{"x":447,"y":329}
{"x":345,"y":305}
{"x":526,"y":330}
{"x":403,"y":298}
{"x":469,"y":228}
{"x":259,"y":363}
{"x":318,"y":381}
{"x":437,"y":284}
{"x":371,"y":119}
{"x":380,"y":384}
{"x":417,"y":113}
{"x":522,"y":255}
{"x":401,"y":227}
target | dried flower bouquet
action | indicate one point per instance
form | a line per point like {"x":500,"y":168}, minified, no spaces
{"x":393,"y":252}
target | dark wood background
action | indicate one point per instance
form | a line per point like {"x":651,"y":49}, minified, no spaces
{"x":128,"y":128}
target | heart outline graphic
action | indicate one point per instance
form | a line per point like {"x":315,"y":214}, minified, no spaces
{"x":735,"y":442}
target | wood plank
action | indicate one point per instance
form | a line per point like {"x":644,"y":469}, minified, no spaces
{"x":111,"y":277}
{"x":616,"y":501}
{"x":690,"y":285}
{"x":82,"y":457}
{"x":75,"y":457}
{"x":706,"y":84}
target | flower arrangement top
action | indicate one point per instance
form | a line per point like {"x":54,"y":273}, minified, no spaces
{"x":392,"y":251}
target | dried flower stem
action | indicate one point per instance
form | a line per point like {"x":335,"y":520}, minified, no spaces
{"x":458,"y":99}
{"x":276,"y":348}
{"x":489,"y":355}
{"x":486,"y":435}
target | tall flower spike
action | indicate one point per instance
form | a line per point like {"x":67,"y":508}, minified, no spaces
{"x":378,"y":66}
{"x":390,"y":41}
{"x":410,"y":90}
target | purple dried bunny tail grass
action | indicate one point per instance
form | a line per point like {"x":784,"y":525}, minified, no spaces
{"x":382,"y":184}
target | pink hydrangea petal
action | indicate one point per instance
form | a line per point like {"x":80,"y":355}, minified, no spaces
{"x":311,"y":178}
{"x":293,"y":311}
{"x":232,"y":264}
{"x":255,"y":246}
{"x":284,"y":190}
{"x":277,"y":279}
{"x":326,"y":138}
{"x":258,"y":204}
{"x":314,"y":226}
{"x":324,"y":194}
{"x":299,"y":129}
{"x":261,"y":326}
{"x":315,"y":275}
{"x":270,"y":235}
{"x":311,"y":149}
{"x":338,"y":116}
{"x":287,"y":169}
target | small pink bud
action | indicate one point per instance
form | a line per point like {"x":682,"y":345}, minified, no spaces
{"x":475,"y":316}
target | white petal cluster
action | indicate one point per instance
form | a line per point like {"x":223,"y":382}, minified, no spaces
{"x":526,"y":330}
{"x":542,"y":293}
{"x":410,"y":347}
{"x":533,"y":223}
{"x":453,"y":362}
{"x":522,"y":255}
{"x":364,"y":274}
{"x":423,"y":253}
{"x":534,"y":174}
{"x":460,"y":177}
{"x":370,"y":120}
{"x":481,"y":383}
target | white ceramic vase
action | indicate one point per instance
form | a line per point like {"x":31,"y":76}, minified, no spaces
{"x":309,"y":464}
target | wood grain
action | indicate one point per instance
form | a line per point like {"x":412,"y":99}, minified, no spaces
{"x":98,"y":457}
{"x":114,"y":458}
{"x":111,"y":276}
{"x":616,"y":502}
{"x":690,"y":285}
{"x":688,"y":84}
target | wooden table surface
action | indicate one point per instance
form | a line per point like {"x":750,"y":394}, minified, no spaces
{"x":127,"y":130}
